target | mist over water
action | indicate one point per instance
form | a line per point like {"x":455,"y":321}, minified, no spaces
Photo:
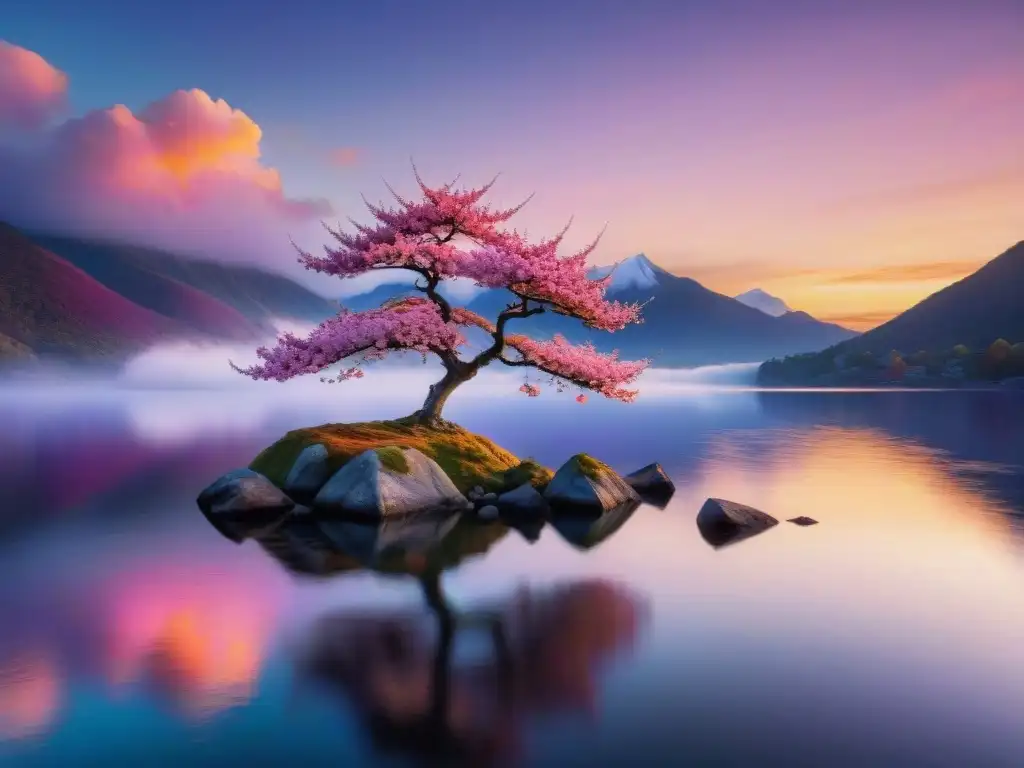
{"x":206,"y":368}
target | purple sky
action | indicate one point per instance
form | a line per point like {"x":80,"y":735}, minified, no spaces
{"x":850,"y":157}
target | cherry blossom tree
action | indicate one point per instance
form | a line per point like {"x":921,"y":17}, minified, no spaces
{"x":449,"y":233}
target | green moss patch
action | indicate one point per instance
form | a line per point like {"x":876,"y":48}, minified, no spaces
{"x":527,"y":471}
{"x":467,"y":458}
{"x":393,"y":459}
{"x":590,"y":467}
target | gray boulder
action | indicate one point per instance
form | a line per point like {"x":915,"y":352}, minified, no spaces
{"x":524,"y":501}
{"x":653,"y":485}
{"x":243,"y":503}
{"x":584,"y":484}
{"x":389,"y":481}
{"x":722,"y":522}
{"x":308,"y":474}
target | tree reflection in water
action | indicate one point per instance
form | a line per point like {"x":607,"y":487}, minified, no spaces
{"x":398,"y":668}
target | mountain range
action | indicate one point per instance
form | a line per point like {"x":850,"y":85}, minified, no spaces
{"x":955,"y":325}
{"x":685,"y":324}
{"x":758,"y":299}
{"x":89,"y":300}
{"x":975,"y":311}
{"x":94,"y":300}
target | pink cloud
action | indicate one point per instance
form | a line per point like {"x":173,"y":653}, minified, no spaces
{"x":31,"y":89}
{"x":345,"y":156}
{"x":184,"y":173}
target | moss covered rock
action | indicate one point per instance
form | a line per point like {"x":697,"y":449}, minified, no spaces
{"x":468,"y":459}
{"x":586,"y":484}
{"x":387,"y":482}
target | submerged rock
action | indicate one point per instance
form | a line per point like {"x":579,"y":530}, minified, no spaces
{"x":488,"y":512}
{"x":309,"y":473}
{"x":389,"y":481}
{"x":585,"y":484}
{"x":587,"y":532}
{"x":524,"y":501}
{"x":802,"y":521}
{"x":653,"y":485}
{"x":722,"y":522}
{"x":243,"y":503}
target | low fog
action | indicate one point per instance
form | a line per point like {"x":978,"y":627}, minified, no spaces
{"x":193,"y":366}
{"x":174,"y":390}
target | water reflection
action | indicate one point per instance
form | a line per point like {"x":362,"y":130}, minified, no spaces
{"x":977,"y":436}
{"x":172,"y":627}
{"x":412,"y":545}
{"x":196,"y":647}
{"x":547,"y":649}
{"x":546,"y":646}
{"x":889,"y":634}
{"x":586,"y":532}
{"x":29,"y":694}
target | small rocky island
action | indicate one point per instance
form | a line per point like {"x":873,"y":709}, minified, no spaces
{"x":374,"y":471}
{"x":390,"y":472}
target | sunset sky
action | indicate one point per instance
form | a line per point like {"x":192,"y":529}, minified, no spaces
{"x":850,"y":158}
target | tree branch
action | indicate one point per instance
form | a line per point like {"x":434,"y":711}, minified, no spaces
{"x":513,"y":363}
{"x":430,"y":289}
{"x":494,"y":351}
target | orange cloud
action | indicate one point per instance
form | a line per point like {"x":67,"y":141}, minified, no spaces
{"x":859,"y":321}
{"x":186,"y":151}
{"x":31,"y":89}
{"x":185,"y":173}
{"x":345,"y":157}
{"x":908,"y":273}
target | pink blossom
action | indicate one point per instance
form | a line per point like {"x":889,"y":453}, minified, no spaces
{"x":422,"y":235}
{"x":410,"y":324}
{"x":581,"y":364}
{"x":449,"y":233}
{"x":581,"y":399}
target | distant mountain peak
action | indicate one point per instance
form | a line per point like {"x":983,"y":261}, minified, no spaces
{"x":637,"y":271}
{"x":764,"y":301}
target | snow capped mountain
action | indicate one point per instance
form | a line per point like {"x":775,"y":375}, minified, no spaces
{"x":758,"y":299}
{"x":635,"y":272}
{"x":684,"y":322}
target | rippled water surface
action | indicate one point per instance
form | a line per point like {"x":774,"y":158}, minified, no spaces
{"x":889,"y":634}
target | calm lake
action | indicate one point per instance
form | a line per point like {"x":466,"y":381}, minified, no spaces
{"x":890,"y":634}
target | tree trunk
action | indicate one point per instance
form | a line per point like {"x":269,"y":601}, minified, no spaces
{"x":430,"y":414}
{"x":440,"y":699}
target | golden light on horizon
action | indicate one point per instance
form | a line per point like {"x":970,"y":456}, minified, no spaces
{"x":895,"y":518}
